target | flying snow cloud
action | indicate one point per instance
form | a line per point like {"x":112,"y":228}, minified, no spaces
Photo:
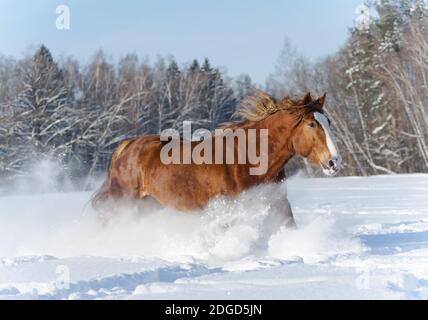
{"x":63,"y":225}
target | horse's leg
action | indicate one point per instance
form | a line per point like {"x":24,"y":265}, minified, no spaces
{"x":282,"y":215}
{"x":290,"y":223}
{"x":148,"y":204}
{"x":284,"y":204}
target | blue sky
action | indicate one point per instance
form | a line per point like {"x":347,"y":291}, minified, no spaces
{"x":243,"y":36}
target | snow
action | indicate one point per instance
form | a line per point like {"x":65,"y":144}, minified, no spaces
{"x":358,"y":238}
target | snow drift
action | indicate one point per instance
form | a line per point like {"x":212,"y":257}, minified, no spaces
{"x":357,"y":238}
{"x":61,"y":225}
{"x":64,"y":225}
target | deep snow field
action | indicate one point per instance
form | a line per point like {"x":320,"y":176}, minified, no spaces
{"x":358,"y":238}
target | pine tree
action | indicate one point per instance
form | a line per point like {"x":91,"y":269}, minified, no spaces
{"x":365,"y":48}
{"x":243,"y":86}
{"x":194,"y":67}
{"x":172,"y":92}
{"x":43,"y":116}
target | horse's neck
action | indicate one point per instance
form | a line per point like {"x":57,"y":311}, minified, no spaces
{"x":280,"y":148}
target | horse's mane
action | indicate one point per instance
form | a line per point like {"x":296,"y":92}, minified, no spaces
{"x":261,"y":105}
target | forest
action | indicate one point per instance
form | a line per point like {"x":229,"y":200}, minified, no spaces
{"x":75,"y":114}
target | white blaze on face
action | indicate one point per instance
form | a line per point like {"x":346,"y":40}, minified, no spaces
{"x":329,"y":136}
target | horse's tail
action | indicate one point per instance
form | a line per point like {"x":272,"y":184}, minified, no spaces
{"x":101,"y":195}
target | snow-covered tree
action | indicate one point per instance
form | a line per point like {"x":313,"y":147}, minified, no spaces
{"x":43,"y":120}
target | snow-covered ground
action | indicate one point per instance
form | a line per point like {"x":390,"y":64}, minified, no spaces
{"x":357,"y":238}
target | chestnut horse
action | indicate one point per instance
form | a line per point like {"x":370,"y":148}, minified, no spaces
{"x":294,"y":127}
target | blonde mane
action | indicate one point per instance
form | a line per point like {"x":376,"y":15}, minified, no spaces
{"x":261,"y":105}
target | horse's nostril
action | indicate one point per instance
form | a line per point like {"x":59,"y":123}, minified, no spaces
{"x":331,"y":163}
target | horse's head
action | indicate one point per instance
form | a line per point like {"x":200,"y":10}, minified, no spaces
{"x":313,"y":138}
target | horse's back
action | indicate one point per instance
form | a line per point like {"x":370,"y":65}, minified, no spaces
{"x":137,"y":171}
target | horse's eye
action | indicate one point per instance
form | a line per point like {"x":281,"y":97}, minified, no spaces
{"x":312,"y":125}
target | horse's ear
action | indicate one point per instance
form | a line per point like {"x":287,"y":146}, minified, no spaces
{"x":307,"y":99}
{"x":321,"y":100}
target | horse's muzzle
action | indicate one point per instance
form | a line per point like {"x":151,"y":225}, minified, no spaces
{"x":333,"y":167}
